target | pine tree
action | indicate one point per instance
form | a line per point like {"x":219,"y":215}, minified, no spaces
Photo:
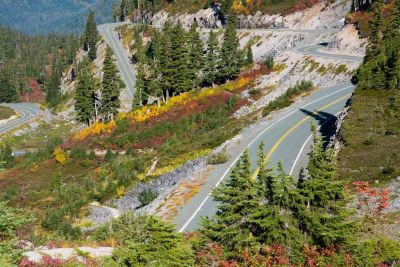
{"x":90,"y":36}
{"x":85,"y":97}
{"x":212,"y":59}
{"x":165,"y":63}
{"x":325,"y":218}
{"x":237,"y":199}
{"x":196,"y":55}
{"x":230,"y":67}
{"x":111,"y":87}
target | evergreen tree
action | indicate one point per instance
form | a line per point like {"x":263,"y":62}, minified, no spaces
{"x":230,"y":67}
{"x":91,"y":36}
{"x":249,"y":56}
{"x":165,"y":63}
{"x":111,"y":87}
{"x":212,"y":59}
{"x":325,"y":218}
{"x":85,"y":96}
{"x":140,"y":87}
{"x":237,"y":199}
{"x":196,"y":55}
{"x":53,"y":88}
{"x":179,"y":62}
{"x":274,"y":219}
{"x":153,"y":243}
{"x":8,"y":91}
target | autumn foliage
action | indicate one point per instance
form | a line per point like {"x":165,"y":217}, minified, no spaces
{"x":371,"y":199}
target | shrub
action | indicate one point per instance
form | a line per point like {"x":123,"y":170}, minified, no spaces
{"x":78,"y":153}
{"x":218,"y":158}
{"x":146,"y":197}
{"x":286,"y":99}
{"x":269,"y":62}
{"x":60,"y":155}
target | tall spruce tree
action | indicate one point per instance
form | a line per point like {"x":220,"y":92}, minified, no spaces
{"x":325,"y":217}
{"x":85,"y":96}
{"x":237,"y":199}
{"x":165,"y":62}
{"x":110,"y":88}
{"x":90,"y":36}
{"x":179,"y":62}
{"x":230,"y":58}
{"x":196,"y":55}
{"x":140,"y":87}
{"x":212,"y":59}
{"x":53,"y":87}
{"x":249,"y":56}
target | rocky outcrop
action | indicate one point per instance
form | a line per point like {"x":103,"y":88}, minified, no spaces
{"x":348,"y":41}
{"x":322,"y":15}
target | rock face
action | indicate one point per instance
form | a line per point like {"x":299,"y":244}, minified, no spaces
{"x":321,"y":15}
{"x":348,"y":41}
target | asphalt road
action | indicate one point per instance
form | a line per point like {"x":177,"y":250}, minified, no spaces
{"x":287,"y":138}
{"x":26,"y":112}
{"x":126,"y":69}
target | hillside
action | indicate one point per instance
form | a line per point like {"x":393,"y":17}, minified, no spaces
{"x":42,"y":16}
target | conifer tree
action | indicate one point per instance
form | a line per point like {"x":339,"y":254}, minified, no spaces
{"x":85,"y":96}
{"x":140,"y":87}
{"x":7,"y":156}
{"x":179,"y":62}
{"x":249,"y":56}
{"x":237,"y":199}
{"x":196,"y":55}
{"x":325,"y":218}
{"x":212,"y":59}
{"x":53,"y":90}
{"x":111,"y":87}
{"x":91,"y":36}
{"x":230,"y":67}
{"x":165,"y":63}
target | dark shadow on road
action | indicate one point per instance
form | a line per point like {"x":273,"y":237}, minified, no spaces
{"x":325,"y":120}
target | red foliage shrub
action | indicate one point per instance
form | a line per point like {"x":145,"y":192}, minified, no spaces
{"x":371,"y":199}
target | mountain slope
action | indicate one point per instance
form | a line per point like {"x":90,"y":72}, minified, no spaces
{"x":42,"y":16}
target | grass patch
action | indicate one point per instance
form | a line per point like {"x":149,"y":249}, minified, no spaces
{"x":371,"y":137}
{"x":6,"y":112}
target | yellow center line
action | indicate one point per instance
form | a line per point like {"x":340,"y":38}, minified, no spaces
{"x":283,"y":137}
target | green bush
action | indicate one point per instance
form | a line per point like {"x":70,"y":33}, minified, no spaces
{"x":286,"y":99}
{"x":78,"y":153}
{"x":218,"y":158}
{"x":146,"y":197}
{"x":269,"y":62}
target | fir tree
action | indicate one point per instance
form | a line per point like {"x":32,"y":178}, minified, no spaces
{"x":230,"y":67}
{"x":140,"y":87}
{"x":237,"y":199}
{"x":325,"y":218}
{"x":53,"y":90}
{"x":165,"y":63}
{"x":91,"y":36}
{"x":111,"y":87}
{"x":212,"y":59}
{"x":85,"y":97}
{"x":196,"y":55}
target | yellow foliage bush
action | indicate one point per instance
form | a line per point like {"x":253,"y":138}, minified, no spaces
{"x":95,"y":129}
{"x":60,"y":155}
{"x":121,"y":191}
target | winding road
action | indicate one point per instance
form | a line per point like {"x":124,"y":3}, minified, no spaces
{"x":287,"y":135}
{"x":26,"y":112}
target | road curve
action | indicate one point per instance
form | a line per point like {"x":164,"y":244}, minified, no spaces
{"x":26,"y":112}
{"x":125,"y":67}
{"x":287,"y":138}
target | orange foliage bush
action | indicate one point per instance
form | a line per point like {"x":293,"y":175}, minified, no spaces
{"x":371,"y":199}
